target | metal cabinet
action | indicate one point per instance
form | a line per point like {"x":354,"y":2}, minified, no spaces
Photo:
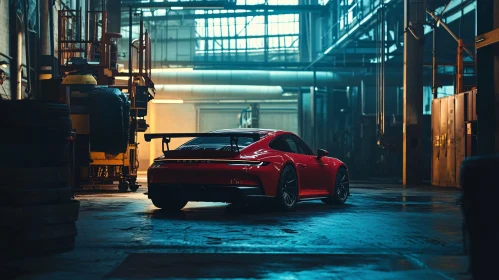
{"x":453,"y":136}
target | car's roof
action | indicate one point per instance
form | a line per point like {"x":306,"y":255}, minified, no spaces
{"x":249,"y":130}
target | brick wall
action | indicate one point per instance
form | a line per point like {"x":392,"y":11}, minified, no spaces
{"x":4,"y":38}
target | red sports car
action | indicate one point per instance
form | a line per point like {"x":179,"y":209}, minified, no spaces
{"x":243,"y":165}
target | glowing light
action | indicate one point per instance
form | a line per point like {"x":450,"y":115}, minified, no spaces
{"x":167,"y":101}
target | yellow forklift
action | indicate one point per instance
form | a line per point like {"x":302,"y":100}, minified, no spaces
{"x":106,"y":116}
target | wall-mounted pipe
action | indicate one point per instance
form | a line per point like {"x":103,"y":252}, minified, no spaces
{"x":207,"y":92}
{"x":27,"y":47}
{"x":19,"y":68}
{"x":246,"y":77}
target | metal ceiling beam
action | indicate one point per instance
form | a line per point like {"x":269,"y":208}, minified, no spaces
{"x":248,"y":64}
{"x":215,"y":5}
{"x":365,"y":23}
{"x":220,"y":38}
{"x":206,"y":16}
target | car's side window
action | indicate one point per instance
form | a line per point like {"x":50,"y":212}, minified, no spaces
{"x":303,"y":148}
{"x":280,"y":144}
{"x":292,"y":145}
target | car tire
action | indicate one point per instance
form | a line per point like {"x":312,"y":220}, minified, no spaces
{"x":287,"y":189}
{"x":169,"y":204}
{"x":341,"y":188}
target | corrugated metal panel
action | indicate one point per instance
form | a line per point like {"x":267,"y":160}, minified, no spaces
{"x":274,"y":119}
{"x":213,"y":119}
{"x":435,"y":131}
{"x":449,"y":123}
{"x":443,"y":143}
{"x":451,"y":143}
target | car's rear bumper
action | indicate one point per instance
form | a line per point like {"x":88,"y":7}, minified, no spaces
{"x":211,"y":193}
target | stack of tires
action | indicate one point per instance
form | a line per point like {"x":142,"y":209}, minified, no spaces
{"x":481,"y":222}
{"x":37,"y":209}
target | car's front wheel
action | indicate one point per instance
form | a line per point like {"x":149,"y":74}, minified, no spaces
{"x":341,"y":188}
{"x":169,"y":204}
{"x":287,"y":190}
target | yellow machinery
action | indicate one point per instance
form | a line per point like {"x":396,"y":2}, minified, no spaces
{"x":106,"y":117}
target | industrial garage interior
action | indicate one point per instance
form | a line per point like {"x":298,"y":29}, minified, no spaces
{"x":102,"y":100}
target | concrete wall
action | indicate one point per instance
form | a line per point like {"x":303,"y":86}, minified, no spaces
{"x":165,"y":118}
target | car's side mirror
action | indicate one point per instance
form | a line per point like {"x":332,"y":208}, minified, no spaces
{"x":321,"y":153}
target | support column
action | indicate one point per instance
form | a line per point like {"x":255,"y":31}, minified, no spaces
{"x":304,"y":35}
{"x":414,"y":19}
{"x":487,"y":81}
{"x":46,"y":62}
{"x":13,"y":48}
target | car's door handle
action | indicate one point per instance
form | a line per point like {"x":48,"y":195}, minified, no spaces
{"x":301,"y":165}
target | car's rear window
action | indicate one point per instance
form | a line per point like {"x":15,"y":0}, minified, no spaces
{"x":215,"y":143}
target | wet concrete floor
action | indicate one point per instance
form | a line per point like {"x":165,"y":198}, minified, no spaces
{"x":382,"y":232}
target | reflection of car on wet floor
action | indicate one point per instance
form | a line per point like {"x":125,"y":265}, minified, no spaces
{"x":243,"y":166}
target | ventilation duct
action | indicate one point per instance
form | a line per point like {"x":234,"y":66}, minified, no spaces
{"x":213,"y":92}
{"x":245,"y":77}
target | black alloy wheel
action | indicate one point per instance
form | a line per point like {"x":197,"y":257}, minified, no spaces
{"x":341,"y":188}
{"x":287,"y":190}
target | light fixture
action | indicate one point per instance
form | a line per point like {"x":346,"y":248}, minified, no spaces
{"x":4,"y":64}
{"x":177,"y":8}
{"x":167,"y":101}
{"x":3,"y":77}
{"x":160,"y":70}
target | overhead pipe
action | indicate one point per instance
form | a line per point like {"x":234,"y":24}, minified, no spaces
{"x":246,"y":77}
{"x":214,"y":92}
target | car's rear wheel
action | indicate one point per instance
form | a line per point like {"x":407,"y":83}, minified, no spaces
{"x":169,"y":204}
{"x":287,"y":190}
{"x":341,"y":188}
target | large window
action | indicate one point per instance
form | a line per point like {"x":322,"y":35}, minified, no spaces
{"x":248,"y":32}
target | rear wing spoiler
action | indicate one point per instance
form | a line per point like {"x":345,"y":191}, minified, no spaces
{"x":234,"y":137}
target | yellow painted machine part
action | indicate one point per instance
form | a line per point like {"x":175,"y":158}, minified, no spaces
{"x":122,"y":159}
{"x":81,"y":123}
{"x":45,"y":76}
{"x":79,"y":80}
{"x":101,"y":158}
